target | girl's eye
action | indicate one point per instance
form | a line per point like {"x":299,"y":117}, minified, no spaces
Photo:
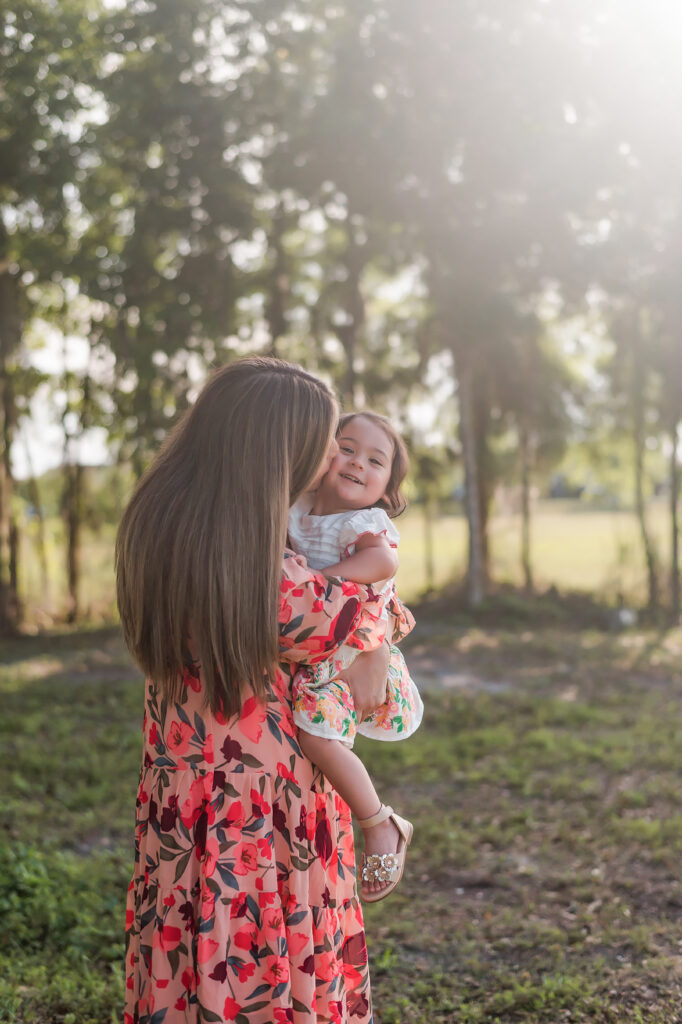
{"x":377,"y":462}
{"x":346,"y":450}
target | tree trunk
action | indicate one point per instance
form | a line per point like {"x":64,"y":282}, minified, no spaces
{"x":10,"y":336}
{"x":14,"y":564}
{"x":274,"y":310}
{"x":8,"y":424}
{"x":346,"y":335}
{"x":73,"y":490}
{"x":638,"y":440}
{"x":349,"y":334}
{"x":525,"y":451}
{"x":73,"y":502}
{"x":481,"y":426}
{"x":476,"y":572}
{"x":674,"y":495}
{"x":36,"y":504}
{"x":428,"y":543}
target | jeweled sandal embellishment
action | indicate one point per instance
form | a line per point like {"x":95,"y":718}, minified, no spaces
{"x":380,"y":867}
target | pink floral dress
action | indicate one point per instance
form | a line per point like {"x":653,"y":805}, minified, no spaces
{"x":243,"y":905}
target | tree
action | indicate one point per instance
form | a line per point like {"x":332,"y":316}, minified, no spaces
{"x":46,"y":56}
{"x":165,"y":199}
{"x":420,"y":121}
{"x":669,"y":366}
{"x":535,"y":390}
{"x":632,"y":372}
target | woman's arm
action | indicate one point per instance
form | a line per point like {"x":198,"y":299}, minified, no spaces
{"x":400,"y":619}
{"x":367,"y":678}
{"x":317,"y":615}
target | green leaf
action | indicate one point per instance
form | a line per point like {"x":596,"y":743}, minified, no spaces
{"x":182,"y":865}
{"x":209,"y":1015}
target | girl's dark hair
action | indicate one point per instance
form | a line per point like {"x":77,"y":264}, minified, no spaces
{"x":400,"y":463}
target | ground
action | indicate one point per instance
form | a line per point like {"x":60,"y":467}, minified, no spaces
{"x":543,"y":883}
{"x":545,"y":794}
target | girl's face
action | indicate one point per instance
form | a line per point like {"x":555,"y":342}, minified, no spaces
{"x":360,"y":470}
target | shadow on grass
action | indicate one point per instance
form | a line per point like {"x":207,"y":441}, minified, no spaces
{"x":54,"y":642}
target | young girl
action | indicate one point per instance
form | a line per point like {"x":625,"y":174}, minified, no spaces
{"x":343,"y":528}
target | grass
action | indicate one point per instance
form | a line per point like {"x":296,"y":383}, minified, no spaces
{"x":69,"y":757}
{"x":544,"y":879}
{"x":575,"y":547}
{"x":543,"y":883}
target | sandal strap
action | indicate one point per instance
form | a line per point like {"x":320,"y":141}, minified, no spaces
{"x":382,"y":814}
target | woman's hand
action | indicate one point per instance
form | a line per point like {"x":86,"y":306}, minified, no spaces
{"x":367,"y":678}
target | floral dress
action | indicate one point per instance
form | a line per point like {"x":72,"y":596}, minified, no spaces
{"x":323,"y":702}
{"x":243,"y":906}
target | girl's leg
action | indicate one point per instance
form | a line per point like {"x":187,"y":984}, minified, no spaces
{"x":351,"y":780}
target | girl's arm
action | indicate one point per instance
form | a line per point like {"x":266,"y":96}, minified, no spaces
{"x":374,"y":561}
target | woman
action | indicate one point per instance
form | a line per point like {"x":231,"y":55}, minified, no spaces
{"x":243,"y":904}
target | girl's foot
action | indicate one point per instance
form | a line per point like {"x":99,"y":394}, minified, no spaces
{"x":387,"y":837}
{"x":380,"y":839}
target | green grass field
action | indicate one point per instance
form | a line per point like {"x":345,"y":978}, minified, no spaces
{"x":543,"y":884}
{"x":574,"y":548}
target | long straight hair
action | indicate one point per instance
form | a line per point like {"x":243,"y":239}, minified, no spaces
{"x":199,"y":549}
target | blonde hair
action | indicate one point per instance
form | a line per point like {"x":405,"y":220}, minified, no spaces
{"x":400,"y":462}
{"x":200,"y":546}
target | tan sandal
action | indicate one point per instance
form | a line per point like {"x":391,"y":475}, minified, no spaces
{"x":385,"y":867}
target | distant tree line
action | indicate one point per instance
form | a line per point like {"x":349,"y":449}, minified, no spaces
{"x":370,"y":188}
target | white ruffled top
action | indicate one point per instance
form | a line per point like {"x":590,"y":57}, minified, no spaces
{"x":324,"y":540}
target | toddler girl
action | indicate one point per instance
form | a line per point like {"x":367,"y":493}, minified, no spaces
{"x":344,"y":530}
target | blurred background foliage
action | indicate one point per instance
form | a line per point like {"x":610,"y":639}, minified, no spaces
{"x":467,"y":216}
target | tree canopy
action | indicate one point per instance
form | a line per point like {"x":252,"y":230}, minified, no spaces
{"x":367,"y":188}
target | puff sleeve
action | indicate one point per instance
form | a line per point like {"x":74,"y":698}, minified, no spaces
{"x":366,"y":520}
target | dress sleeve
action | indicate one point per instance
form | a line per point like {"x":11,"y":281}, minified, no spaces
{"x":366,"y":520}
{"x":318,"y":614}
{"x":401,"y":619}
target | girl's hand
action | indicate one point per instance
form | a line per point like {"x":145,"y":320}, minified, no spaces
{"x":367,"y":678}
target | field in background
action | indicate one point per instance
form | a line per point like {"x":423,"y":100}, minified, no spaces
{"x":574,"y":548}
{"x":45,"y":602}
{"x":578,"y":548}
